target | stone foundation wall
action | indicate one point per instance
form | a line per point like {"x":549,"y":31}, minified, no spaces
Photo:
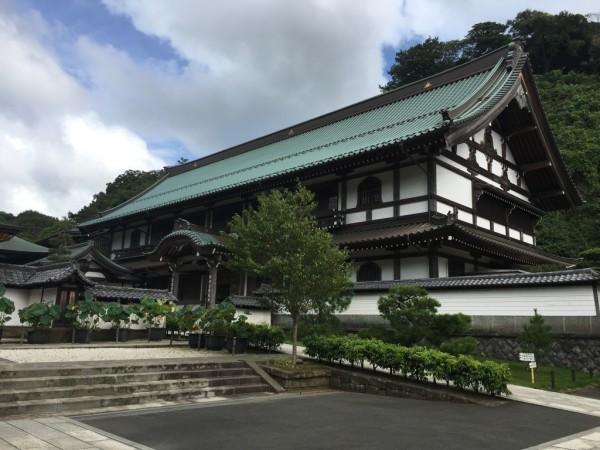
{"x":576,"y":353}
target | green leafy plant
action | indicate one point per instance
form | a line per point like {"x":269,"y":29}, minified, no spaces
{"x":266,"y":338}
{"x":536,"y":336}
{"x":40,"y":315}
{"x":153,"y":312}
{"x":7,"y":307}
{"x":86,"y":314}
{"x":217,"y":319}
{"x":120,"y":316}
{"x":418,"y":363}
{"x":240,"y":328}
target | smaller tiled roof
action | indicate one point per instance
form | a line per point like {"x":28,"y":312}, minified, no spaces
{"x":494,"y":280}
{"x":25,"y":276}
{"x":381,"y":234}
{"x":17,"y":245}
{"x":103,"y":292}
{"x":246,"y":302}
{"x":198,"y":238}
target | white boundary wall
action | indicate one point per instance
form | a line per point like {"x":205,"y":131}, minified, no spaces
{"x":549,"y":301}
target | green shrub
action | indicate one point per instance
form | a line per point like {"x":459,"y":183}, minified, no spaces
{"x":381,"y":332}
{"x":319,"y":325}
{"x":418,"y":363}
{"x":85,"y":314}
{"x":461,"y":346}
{"x":40,"y":315}
{"x":265,"y":337}
{"x":7,"y":307}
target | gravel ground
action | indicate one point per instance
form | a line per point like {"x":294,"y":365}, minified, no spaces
{"x":97,"y":354}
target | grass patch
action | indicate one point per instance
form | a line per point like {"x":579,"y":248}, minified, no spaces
{"x":521,"y":375}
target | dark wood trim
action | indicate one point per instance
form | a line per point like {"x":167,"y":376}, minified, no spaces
{"x":596,"y":303}
{"x":396,"y":187}
{"x":431,"y":185}
{"x":403,"y":201}
{"x":397,"y":268}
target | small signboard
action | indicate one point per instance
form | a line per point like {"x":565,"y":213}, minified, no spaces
{"x":532,"y":365}
{"x":527,"y":357}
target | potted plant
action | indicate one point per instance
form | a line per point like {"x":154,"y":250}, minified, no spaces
{"x":39,"y":316}
{"x":85,"y":316}
{"x":153,"y":312}
{"x":188,"y":321}
{"x":121,"y":317}
{"x":216,"y":321}
{"x":238,"y":335}
{"x":7,"y":307}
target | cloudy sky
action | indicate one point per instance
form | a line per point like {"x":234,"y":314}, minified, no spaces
{"x":90,"y":88}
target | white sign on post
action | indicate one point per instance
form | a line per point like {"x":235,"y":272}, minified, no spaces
{"x":532,"y":365}
{"x":527,"y":357}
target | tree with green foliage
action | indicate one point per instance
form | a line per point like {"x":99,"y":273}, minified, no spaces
{"x":483,"y":38}
{"x":125,"y":186}
{"x":60,"y":240}
{"x":536,"y":337}
{"x":281,"y":242}
{"x":412,"y":314}
{"x":424,"y":59}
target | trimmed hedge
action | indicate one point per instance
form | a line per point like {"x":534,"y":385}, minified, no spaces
{"x":264,"y":337}
{"x":418,"y":363}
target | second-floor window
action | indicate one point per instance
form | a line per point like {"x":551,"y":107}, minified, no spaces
{"x":369,"y":272}
{"x":369,"y":192}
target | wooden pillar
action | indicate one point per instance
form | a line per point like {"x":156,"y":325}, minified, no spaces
{"x":212,"y":282}
{"x":433,"y":262}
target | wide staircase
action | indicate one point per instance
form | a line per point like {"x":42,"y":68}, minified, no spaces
{"x":85,"y":387}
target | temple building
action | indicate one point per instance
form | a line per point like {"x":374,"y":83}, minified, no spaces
{"x":440,"y":182}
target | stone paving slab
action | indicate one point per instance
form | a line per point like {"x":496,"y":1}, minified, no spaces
{"x":59,"y":433}
{"x":586,"y":440}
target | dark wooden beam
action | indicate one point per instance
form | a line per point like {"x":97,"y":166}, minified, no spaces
{"x":520,"y":130}
{"x":536,"y":166}
{"x":550,"y":194}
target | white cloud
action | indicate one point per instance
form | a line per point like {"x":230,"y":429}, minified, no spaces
{"x":56,"y":152}
{"x":253,"y":67}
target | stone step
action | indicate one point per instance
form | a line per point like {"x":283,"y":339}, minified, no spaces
{"x":124,"y":388}
{"x":113,"y":368}
{"x":72,"y":405}
{"x":118,"y":378}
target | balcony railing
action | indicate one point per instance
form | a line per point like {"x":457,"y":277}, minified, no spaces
{"x":133,"y":252}
{"x":330,"y":219}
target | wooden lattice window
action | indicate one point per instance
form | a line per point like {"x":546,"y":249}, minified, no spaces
{"x":369,"y":272}
{"x":369,"y":192}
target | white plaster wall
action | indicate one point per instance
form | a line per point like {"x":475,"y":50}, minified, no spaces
{"x":413,"y":182}
{"x":442,"y":267}
{"x":355,"y":217}
{"x":414,"y":268}
{"x":465,"y":216}
{"x":413,"y":208}
{"x":387,"y":269}
{"x":21,"y":298}
{"x":117,"y":240}
{"x":255,"y":316}
{"x":454,"y":186}
{"x":382,"y":213}
{"x":549,"y":301}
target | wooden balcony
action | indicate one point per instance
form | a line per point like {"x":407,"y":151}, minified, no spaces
{"x":133,"y":252}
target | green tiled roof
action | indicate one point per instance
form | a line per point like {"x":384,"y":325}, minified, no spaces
{"x":198,"y":238}
{"x":414,"y":115}
{"x":18,"y":245}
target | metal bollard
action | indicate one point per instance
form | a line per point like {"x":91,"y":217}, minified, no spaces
{"x":552,"y":380}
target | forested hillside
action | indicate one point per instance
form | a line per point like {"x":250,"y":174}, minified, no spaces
{"x":564,"y":52}
{"x":37,"y":226}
